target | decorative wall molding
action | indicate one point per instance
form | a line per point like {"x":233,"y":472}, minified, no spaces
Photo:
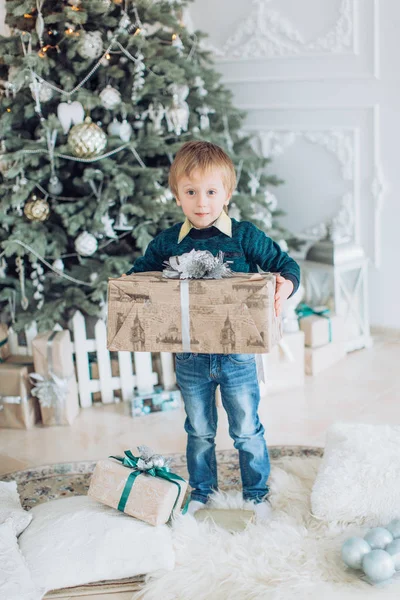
{"x":344,"y":143}
{"x":339,"y":142}
{"x":266,"y":33}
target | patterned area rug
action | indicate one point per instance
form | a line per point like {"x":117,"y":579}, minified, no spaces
{"x":50,"y":482}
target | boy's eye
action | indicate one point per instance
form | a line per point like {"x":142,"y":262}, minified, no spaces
{"x":190,"y":192}
{"x":211,"y":192}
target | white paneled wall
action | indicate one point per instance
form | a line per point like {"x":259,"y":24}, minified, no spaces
{"x":320,"y":82}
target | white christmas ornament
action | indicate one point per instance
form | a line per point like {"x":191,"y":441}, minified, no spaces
{"x":110,"y":97}
{"x":156,"y":113}
{"x":90,"y":44}
{"x":70,"y":113}
{"x":204,"y":111}
{"x":86,"y":244}
{"x":114,"y":127}
{"x":177,"y":43}
{"x":58,"y":264}
{"x":125,"y":131}
{"x":394,"y":550}
{"x":271,"y":200}
{"x":108,"y":223}
{"x":353,"y":551}
{"x":378,"y":537}
{"x":41,"y":91}
{"x":378,"y":565}
{"x":177,"y":115}
{"x":394,"y":528}
{"x":55,"y":186}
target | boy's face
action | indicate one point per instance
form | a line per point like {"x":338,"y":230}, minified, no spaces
{"x":202,"y":196}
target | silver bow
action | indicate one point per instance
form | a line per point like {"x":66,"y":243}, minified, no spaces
{"x":197,"y":264}
{"x":50,"y":392}
{"x":148,"y":459}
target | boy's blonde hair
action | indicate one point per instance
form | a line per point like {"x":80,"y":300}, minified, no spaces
{"x":204,"y":156}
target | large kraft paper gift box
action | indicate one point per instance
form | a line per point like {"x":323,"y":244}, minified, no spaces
{"x":149,"y":498}
{"x":18,"y":410}
{"x":151,"y":313}
{"x":52,"y":353}
{"x":317,"y":360}
{"x":284,"y":366}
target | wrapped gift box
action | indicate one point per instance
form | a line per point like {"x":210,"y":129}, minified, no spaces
{"x":52,"y":353}
{"x":319,"y":359}
{"x":319,"y":330}
{"x":4,"y":348}
{"x":151,"y":499}
{"x":284,"y":366}
{"x":156,"y":401}
{"x":18,"y":410}
{"x":150,"y":313}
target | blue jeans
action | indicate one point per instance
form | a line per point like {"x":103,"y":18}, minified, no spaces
{"x":197,"y":376}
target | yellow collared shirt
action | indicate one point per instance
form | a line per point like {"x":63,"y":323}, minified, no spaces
{"x":223,"y":223}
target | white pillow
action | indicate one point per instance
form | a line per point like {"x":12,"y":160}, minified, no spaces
{"x":15,"y":579}
{"x":10,"y":507}
{"x":359,"y":477}
{"x":76,"y":540}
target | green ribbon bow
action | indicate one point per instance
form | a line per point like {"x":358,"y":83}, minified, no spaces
{"x":3,"y":343}
{"x":131,"y":461}
{"x":304,"y":310}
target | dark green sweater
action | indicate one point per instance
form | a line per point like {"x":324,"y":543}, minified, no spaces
{"x":247,"y":248}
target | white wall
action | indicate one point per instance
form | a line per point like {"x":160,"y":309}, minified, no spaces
{"x":320,"y":82}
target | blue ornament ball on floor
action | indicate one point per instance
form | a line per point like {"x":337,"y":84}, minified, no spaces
{"x":353,"y":551}
{"x":378,"y":565}
{"x":394,"y":528}
{"x":378,"y":538}
{"x":394,"y":550}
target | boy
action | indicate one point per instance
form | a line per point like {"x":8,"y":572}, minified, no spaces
{"x":202,"y":179}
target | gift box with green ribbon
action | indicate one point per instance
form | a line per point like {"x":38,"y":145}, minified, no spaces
{"x":140,"y":486}
{"x":320,"y":326}
{"x":4,"y":349}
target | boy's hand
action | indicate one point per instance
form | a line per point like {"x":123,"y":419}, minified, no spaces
{"x":284,"y":287}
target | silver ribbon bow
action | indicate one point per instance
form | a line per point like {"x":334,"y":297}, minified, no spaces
{"x":148,"y":459}
{"x":197,"y":264}
{"x":50,"y":392}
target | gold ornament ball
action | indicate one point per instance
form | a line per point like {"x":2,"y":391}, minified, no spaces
{"x":87,"y":139}
{"x":37,"y":209}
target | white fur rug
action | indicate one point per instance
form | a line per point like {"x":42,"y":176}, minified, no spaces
{"x":293,"y":556}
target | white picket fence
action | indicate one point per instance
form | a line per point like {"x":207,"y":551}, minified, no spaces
{"x":135,"y":369}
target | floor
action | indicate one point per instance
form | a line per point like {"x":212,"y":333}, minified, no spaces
{"x":364,"y":387}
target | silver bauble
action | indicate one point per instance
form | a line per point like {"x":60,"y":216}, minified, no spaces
{"x":90,"y":44}
{"x":378,"y":566}
{"x":55,"y":186}
{"x":114,"y":127}
{"x":125,"y":131}
{"x":87,"y":139}
{"x":353,"y":551}
{"x":86,"y":244}
{"x":393,"y":527}
{"x":58,"y":264}
{"x":394,"y":550}
{"x":101,"y":6}
{"x":378,"y":537}
{"x":110,"y":97}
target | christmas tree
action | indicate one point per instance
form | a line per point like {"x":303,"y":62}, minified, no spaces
{"x":96,"y":98}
